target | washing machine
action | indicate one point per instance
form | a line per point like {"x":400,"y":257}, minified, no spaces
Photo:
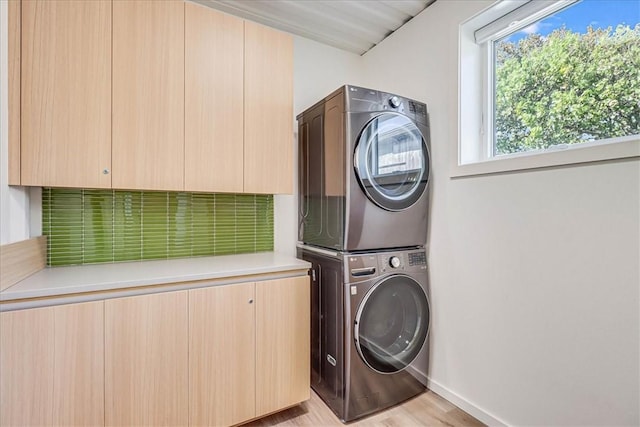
{"x":370,"y":325}
{"x":364,"y":171}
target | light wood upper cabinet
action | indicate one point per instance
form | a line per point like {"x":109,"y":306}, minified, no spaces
{"x":148,"y":95}
{"x":52,"y":366}
{"x":146,"y":360}
{"x":282,"y":343}
{"x":268,"y":110}
{"x":213,"y":145}
{"x":65,"y":93}
{"x":14,"y":9}
{"x":222,"y":355}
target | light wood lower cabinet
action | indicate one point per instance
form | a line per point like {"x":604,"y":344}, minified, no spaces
{"x":146,"y":381}
{"x":249,"y":350}
{"x":282,"y":343}
{"x":52,"y":366}
{"x":26,"y":367}
{"x":221,"y":355}
{"x":78,"y":386}
{"x":222,"y":364}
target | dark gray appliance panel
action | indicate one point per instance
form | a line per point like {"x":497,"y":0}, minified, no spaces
{"x":311,"y":209}
{"x":327,"y":333}
{"x":321,"y":174}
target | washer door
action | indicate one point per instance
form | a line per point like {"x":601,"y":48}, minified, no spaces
{"x":392,"y":324}
{"x":392,"y":161}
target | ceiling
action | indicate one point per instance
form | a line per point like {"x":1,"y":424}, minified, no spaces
{"x":352,"y":25}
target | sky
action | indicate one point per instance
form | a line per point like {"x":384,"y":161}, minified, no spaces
{"x":597,"y":13}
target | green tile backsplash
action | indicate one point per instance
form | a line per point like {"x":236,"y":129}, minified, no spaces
{"x":97,"y":226}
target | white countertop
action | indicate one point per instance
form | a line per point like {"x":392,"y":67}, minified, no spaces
{"x":57,"y":281}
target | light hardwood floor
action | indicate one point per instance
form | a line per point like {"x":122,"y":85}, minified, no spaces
{"x":427,"y":409}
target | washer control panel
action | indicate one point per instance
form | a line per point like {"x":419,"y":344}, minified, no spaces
{"x":402,"y":261}
{"x":394,"y":262}
{"x":418,"y":258}
{"x":366,"y":266}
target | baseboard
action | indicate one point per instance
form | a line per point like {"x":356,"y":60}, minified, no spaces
{"x":464,"y":404}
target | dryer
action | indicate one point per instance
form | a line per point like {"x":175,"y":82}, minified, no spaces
{"x":364,"y":170}
{"x":370,"y":325}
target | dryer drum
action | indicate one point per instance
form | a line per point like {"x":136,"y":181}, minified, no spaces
{"x":391,"y":161}
{"x":392,"y":324}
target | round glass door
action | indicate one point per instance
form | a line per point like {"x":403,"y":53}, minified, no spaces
{"x":392,"y":161}
{"x":392,"y":324}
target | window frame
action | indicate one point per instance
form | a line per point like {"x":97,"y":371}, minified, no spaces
{"x":475,"y":149}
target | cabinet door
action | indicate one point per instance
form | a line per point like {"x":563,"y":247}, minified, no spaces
{"x":282,"y":343}
{"x":213,"y":100}
{"x":14,"y":9}
{"x":222,"y":355}
{"x":146,"y":360}
{"x":78,"y":386}
{"x":268,"y":110}
{"x":26,"y":367}
{"x":66,"y":93}
{"x":52,"y":366}
{"x":148,"y":94}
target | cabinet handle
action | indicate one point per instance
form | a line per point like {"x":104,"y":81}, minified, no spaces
{"x":105,"y":171}
{"x":251,"y":301}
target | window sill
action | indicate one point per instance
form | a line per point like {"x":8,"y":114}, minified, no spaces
{"x":571,"y":155}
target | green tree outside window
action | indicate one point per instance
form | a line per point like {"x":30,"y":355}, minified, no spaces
{"x":566,"y":88}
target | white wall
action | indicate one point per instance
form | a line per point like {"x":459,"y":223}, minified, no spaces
{"x":14,"y":201}
{"x":535,"y":276}
{"x":317,"y":71}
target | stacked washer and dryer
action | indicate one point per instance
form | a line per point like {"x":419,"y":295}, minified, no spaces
{"x":363,"y":208}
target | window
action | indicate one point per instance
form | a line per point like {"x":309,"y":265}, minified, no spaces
{"x":543,"y":77}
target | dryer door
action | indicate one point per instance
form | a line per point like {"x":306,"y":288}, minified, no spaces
{"x":392,"y":324}
{"x":392,"y":161}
